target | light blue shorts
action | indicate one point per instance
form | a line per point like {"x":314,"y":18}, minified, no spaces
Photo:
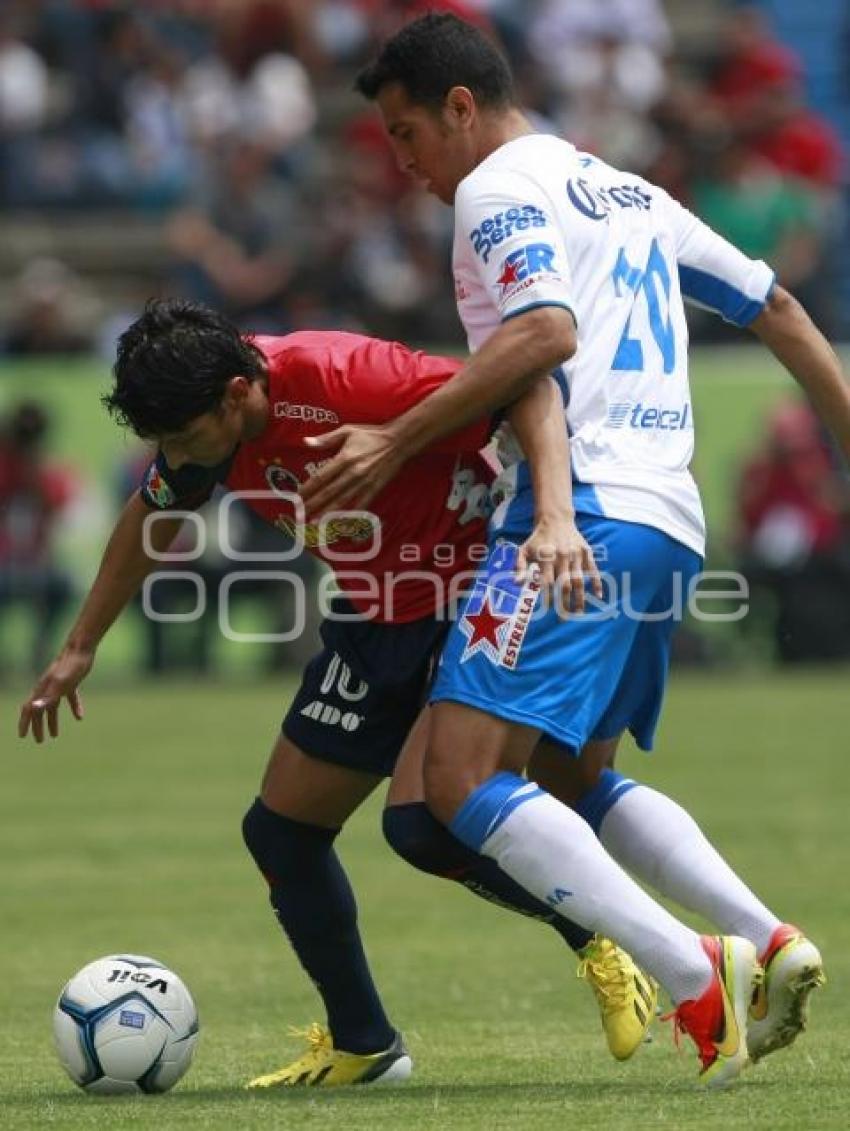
{"x":586,"y":676}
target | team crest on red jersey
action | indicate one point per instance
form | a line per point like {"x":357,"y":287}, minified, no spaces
{"x":282,"y":481}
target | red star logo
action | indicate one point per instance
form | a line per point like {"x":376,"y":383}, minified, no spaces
{"x":509,"y":275}
{"x":485,"y":625}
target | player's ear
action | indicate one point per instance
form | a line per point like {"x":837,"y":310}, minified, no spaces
{"x":459,"y":107}
{"x":237,"y":389}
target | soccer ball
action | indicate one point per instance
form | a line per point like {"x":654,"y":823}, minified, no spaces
{"x":125,"y":1023}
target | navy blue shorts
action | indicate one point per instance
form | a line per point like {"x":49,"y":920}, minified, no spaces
{"x":362,"y":693}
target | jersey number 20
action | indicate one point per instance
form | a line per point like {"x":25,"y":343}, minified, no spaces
{"x":630,"y":351}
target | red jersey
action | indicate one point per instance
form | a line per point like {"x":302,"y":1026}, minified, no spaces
{"x":427,"y":524}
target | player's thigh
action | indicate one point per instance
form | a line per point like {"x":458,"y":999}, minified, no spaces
{"x":406,"y":784}
{"x":304,"y":788}
{"x":566,"y":777}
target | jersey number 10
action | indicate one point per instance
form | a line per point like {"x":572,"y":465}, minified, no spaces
{"x":630,"y":351}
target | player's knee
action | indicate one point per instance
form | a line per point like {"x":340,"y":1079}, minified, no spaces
{"x":446,"y":786}
{"x":417,"y":837}
{"x":281,"y":847}
{"x":255,"y":831}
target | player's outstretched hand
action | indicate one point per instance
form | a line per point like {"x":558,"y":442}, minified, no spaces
{"x":59,"y":682}
{"x":565,"y":562}
{"x":366,"y":460}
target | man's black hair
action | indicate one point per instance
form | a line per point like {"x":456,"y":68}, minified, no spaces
{"x":435,"y":52}
{"x":173,"y":365}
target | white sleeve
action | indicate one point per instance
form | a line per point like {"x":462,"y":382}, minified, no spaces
{"x":713,"y":273}
{"x":506,"y":228}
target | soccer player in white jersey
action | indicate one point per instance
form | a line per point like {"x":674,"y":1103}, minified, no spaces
{"x":565,"y":264}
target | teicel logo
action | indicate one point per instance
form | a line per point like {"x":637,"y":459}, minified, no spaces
{"x":521,"y":267}
{"x":627,"y":414}
{"x":307,"y":412}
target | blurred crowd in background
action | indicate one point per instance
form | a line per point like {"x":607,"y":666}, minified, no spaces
{"x":215,"y":148}
{"x":229,"y":131}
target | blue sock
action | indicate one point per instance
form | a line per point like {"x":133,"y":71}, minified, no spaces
{"x":312,"y":898}
{"x":594,"y":804}
{"x":419,"y":838}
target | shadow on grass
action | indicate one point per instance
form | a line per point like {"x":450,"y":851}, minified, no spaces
{"x":412,"y":1095}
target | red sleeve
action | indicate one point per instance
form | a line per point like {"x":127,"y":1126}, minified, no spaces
{"x":369,"y":381}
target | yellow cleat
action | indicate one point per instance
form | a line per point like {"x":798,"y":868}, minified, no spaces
{"x":323,"y":1066}
{"x":626,"y":996}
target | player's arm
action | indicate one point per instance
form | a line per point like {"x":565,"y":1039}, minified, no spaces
{"x":529,"y":276}
{"x":792,"y":337}
{"x":555,"y":544}
{"x":535,"y":341}
{"x":123,"y":568}
{"x":718,"y":276}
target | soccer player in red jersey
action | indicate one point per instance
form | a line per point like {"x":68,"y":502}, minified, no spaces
{"x":236,"y":411}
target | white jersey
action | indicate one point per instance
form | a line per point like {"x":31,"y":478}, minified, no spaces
{"x":540,"y":224}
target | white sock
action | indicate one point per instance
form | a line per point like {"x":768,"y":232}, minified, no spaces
{"x":657,"y":841}
{"x":551,"y":852}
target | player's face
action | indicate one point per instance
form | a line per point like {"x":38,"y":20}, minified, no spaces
{"x":207,"y":440}
{"x":436,"y":147}
{"x":212,"y":437}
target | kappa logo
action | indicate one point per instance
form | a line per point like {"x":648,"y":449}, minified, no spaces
{"x":309,"y":413}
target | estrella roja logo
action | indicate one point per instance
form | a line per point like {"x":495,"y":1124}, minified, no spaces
{"x":524,"y":263}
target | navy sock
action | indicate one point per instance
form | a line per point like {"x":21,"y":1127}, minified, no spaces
{"x":419,"y":838}
{"x":595,"y":803}
{"x":312,"y":898}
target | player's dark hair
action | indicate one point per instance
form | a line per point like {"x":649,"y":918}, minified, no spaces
{"x":435,"y":52}
{"x":173,"y":365}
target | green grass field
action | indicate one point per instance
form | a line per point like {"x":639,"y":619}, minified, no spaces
{"x":124,"y":836}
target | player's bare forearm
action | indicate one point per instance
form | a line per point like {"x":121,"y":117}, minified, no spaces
{"x":123,"y":568}
{"x":502,"y":369}
{"x":522,"y":348}
{"x":555,"y":544}
{"x":796,"y":342}
{"x":537,"y":419}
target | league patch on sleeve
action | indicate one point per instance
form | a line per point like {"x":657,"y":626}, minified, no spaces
{"x":525,"y":267}
{"x":157,"y":489}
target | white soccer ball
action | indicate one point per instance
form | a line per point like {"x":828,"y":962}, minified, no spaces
{"x":125,"y":1023}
